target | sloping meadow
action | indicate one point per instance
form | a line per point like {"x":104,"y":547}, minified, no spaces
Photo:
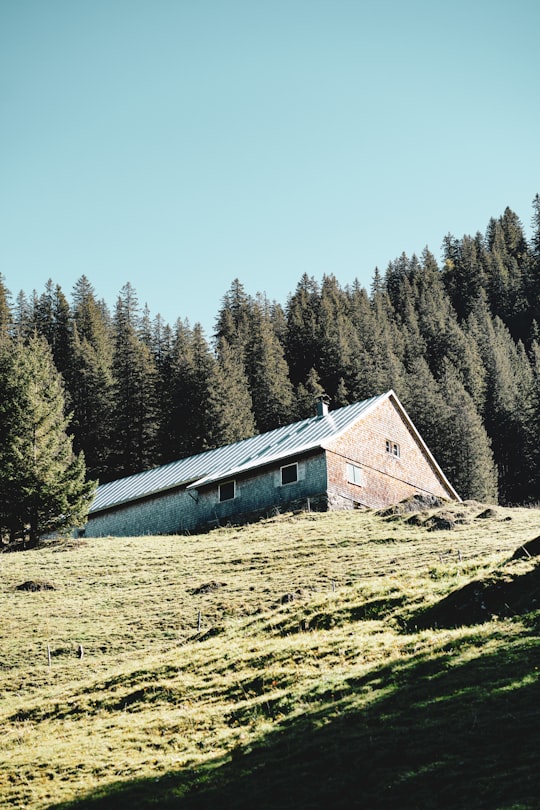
{"x":348,"y":660}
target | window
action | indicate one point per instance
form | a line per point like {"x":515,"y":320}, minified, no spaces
{"x":354,"y":474}
{"x":289,"y":474}
{"x":227,"y":491}
{"x":392,"y":448}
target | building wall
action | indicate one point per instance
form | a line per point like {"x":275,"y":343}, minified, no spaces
{"x":385,"y":477}
{"x":179,"y":512}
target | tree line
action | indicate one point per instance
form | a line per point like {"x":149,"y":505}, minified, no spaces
{"x":458,"y":341}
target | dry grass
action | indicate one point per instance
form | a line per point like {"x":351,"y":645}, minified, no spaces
{"x":279,"y":664}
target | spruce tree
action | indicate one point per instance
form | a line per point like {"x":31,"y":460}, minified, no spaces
{"x":42,"y":483}
{"x":302,"y":345}
{"x":89,"y":380}
{"x":5,"y":312}
{"x":465,"y":449}
{"x":233,"y":320}
{"x":267,"y":372}
{"x":308,"y":394}
{"x":135,"y":420}
{"x":231,"y":397}
{"x":52,"y":319}
{"x":338,"y":346}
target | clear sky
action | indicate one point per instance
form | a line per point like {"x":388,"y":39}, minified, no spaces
{"x":179,"y":144}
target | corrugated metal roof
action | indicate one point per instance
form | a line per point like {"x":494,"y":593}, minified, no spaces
{"x":233,"y":459}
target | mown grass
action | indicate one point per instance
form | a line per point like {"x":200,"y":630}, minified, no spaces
{"x":307,"y":661}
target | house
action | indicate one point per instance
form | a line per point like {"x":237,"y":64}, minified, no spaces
{"x":368,"y":454}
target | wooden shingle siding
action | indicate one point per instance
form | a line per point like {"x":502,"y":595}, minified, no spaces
{"x":387,"y":478}
{"x":180,"y":512}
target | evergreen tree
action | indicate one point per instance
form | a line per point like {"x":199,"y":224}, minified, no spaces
{"x":533,"y":271}
{"x":506,"y":412}
{"x":302,"y":344}
{"x":135,"y":420}
{"x":466,"y":454}
{"x":448,"y":421}
{"x":338,"y":345}
{"x":5,"y":312}
{"x":308,"y":394}
{"x":195,"y":419}
{"x":464,"y":273}
{"x":268,"y":375}
{"x":233,"y":320}
{"x":507,"y":268}
{"x":52,"y":319}
{"x":42,"y":482}
{"x":23,"y":324}
{"x":231,"y":397}
{"x":534,"y":427}
{"x":202,"y":396}
{"x":90,"y":382}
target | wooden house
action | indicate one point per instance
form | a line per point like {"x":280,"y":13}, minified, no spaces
{"x":368,"y":454}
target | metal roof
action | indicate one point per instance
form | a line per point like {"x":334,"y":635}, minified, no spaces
{"x":233,"y":459}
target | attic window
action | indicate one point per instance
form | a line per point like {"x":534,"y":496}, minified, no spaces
{"x":393,"y":448}
{"x":354,"y":475}
{"x":289,"y":474}
{"x":227,"y":491}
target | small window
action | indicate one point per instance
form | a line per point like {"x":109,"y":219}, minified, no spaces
{"x":289,"y":474}
{"x":354,"y":474}
{"x":227,"y":491}
{"x":393,"y":448}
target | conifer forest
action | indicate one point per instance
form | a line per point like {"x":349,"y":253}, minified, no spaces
{"x":458,"y":339}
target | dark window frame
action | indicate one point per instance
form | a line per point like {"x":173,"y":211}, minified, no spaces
{"x":289,"y":467}
{"x":224,"y":488}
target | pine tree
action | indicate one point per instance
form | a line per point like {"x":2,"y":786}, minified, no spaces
{"x":233,"y":403}
{"x":90,"y":382}
{"x":202,"y":396}
{"x":338,"y":345}
{"x":135,"y":420}
{"x":5,"y":312}
{"x":308,"y":394}
{"x":23,"y":324}
{"x":533,"y":271}
{"x":42,"y":482}
{"x":507,"y":269}
{"x":466,"y":454}
{"x":534,"y":426}
{"x":233,"y":320}
{"x":508,"y":379}
{"x":52,"y":319}
{"x":193,"y":418}
{"x":302,"y":345}
{"x":464,"y":273}
{"x":268,"y":375}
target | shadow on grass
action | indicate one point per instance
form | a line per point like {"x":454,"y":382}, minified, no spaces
{"x":444,"y":732}
{"x":477,"y":602}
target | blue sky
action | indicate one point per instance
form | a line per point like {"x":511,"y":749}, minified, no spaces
{"x":178,"y":145}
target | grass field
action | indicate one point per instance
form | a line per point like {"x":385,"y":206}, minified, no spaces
{"x":339,"y":660}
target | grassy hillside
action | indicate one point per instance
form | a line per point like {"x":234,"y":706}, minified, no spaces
{"x":338,"y":660}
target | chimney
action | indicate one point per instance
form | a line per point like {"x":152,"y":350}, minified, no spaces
{"x":322,"y":408}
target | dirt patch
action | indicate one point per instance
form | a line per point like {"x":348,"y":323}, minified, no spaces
{"x":488,"y":514}
{"x":35,"y":585}
{"x":208,"y":587}
{"x":416,"y":503}
{"x":443,"y":521}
